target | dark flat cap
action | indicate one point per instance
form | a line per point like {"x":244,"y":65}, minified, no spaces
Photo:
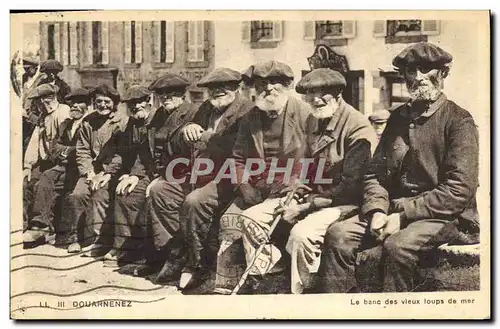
{"x":51,"y":65}
{"x":321,"y":78}
{"x":106,"y":90}
{"x":422,"y":53}
{"x":135,"y":92}
{"x":169,"y":81}
{"x":78,"y":93}
{"x":380,"y":116}
{"x":43,"y":90}
{"x":272,"y":69}
{"x":220,"y":75}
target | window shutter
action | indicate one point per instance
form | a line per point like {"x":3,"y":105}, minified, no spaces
{"x":73,"y":43}
{"x":348,"y":29}
{"x":170,"y":44}
{"x":105,"y":42}
{"x":192,"y":41}
{"x":430,"y":27}
{"x":380,"y":28}
{"x":246,"y":31}
{"x":57,"y":42}
{"x":65,"y":46}
{"x":138,"y":42}
{"x":200,"y":41}
{"x":277,"y":30}
{"x":128,"y":42}
{"x":157,"y":41}
{"x":90,"y":48}
{"x":309,"y":30}
{"x":196,"y":41}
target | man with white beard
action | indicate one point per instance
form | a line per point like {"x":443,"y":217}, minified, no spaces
{"x":272,"y":133}
{"x":420,"y":188}
{"x":209,"y":135}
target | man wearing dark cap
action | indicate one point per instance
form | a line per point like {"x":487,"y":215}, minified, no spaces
{"x":147,"y":154}
{"x":379,"y":120}
{"x":273,"y":133}
{"x":37,"y":157}
{"x":210,"y":135}
{"x":98,"y":164}
{"x":420,"y":188}
{"x":63,"y":176}
{"x":50,"y":70}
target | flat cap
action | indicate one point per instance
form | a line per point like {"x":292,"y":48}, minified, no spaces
{"x":78,"y":93}
{"x":51,"y":65}
{"x":380,"y":116}
{"x":424,"y":54}
{"x":321,"y":78}
{"x":43,"y":90}
{"x":106,"y":90}
{"x":272,"y":69}
{"x":135,"y":92}
{"x":169,"y":81}
{"x":220,"y":75}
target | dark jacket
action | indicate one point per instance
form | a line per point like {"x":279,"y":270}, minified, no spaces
{"x":250,"y":142}
{"x":146,"y":146}
{"x":220,"y":145}
{"x":346,"y":145}
{"x":97,"y":146}
{"x":426,"y":167}
{"x":64,"y":146}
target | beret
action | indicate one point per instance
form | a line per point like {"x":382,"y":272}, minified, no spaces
{"x":422,"y":53}
{"x":135,"y":92}
{"x":272,"y":69}
{"x":42,"y":90}
{"x":218,"y":76}
{"x":169,"y":81}
{"x":380,"y":116}
{"x":106,"y":90}
{"x":78,"y":93}
{"x":51,"y":65}
{"x":320,"y":78}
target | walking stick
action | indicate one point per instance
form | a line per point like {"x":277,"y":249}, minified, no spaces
{"x":261,"y":247}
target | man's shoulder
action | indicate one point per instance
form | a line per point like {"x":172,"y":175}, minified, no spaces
{"x":355,"y":116}
{"x":456,"y":112}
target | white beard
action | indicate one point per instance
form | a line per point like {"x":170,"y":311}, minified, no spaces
{"x":323,"y":112}
{"x":424,"y":93}
{"x":272,"y":102}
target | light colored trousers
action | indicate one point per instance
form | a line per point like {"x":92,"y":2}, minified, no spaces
{"x":304,"y":243}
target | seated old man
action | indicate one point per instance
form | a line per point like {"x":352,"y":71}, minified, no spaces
{"x":188,"y":203}
{"x":55,"y":182}
{"x":337,"y":150}
{"x":98,"y":164}
{"x":270,"y":136}
{"x":420,"y":189}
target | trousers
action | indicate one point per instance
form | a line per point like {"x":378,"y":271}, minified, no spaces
{"x":86,"y":215}
{"x":398,"y":257}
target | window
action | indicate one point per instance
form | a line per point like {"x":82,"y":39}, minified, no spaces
{"x":196,"y":41}
{"x":406,"y":31}
{"x":263,"y":31}
{"x":133,"y":42}
{"x":164,"y":42}
{"x":53,"y":42}
{"x":324,"y":30}
{"x":70,"y":43}
{"x":398,"y":92}
{"x":97,"y":43}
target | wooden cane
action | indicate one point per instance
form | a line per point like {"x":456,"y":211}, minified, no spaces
{"x":261,"y":247}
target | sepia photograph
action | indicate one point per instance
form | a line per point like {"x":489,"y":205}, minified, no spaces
{"x":322,"y":165}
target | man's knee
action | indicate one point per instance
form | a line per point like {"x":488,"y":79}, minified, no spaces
{"x":337,"y":239}
{"x":395,"y":248}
